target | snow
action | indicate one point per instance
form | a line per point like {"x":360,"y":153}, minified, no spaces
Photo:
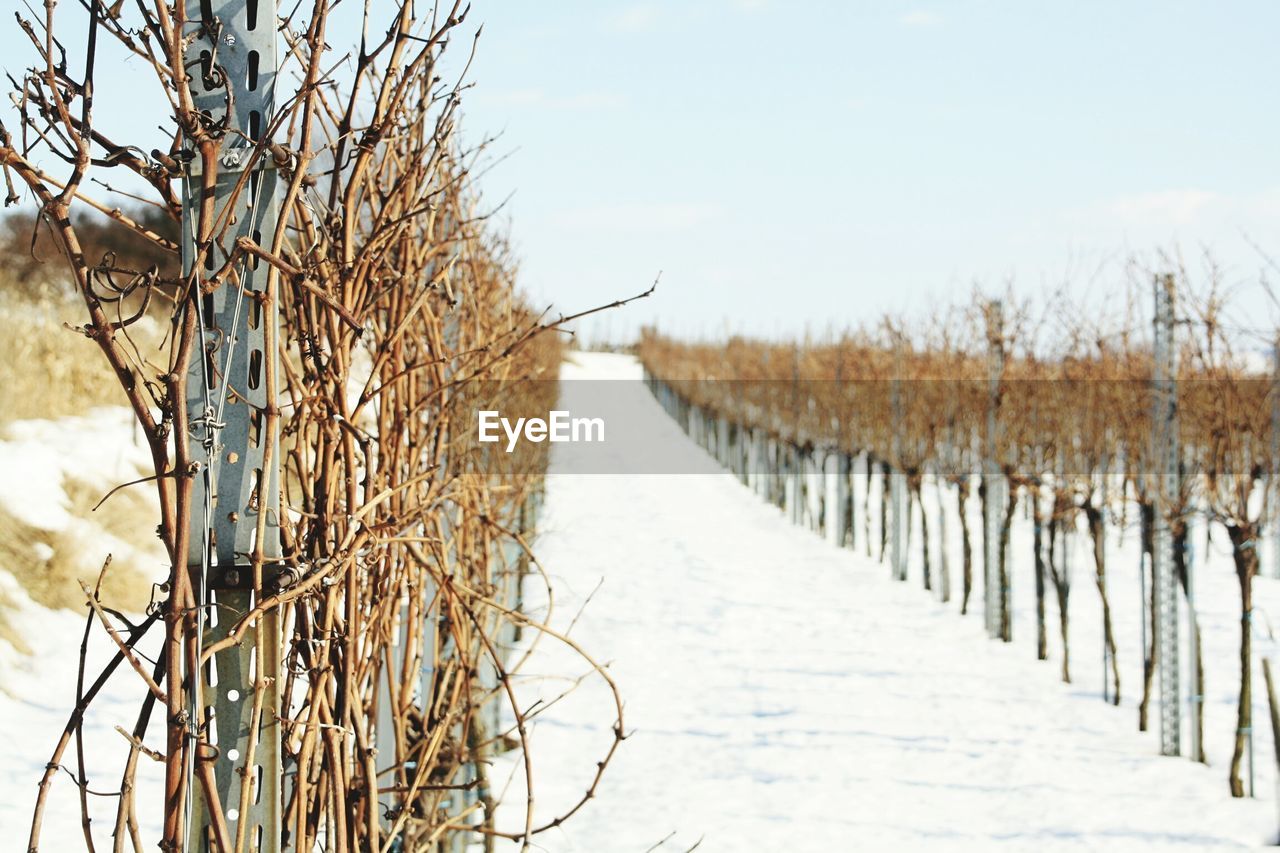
{"x":35,"y":703}
{"x":782,"y":693}
{"x":39,"y":456}
{"x":41,"y":459}
{"x":785,"y":694}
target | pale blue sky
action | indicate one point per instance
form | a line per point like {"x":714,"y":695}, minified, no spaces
{"x":806,"y":163}
{"x":811,"y":164}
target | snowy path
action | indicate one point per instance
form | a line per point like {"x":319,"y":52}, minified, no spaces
{"x":785,"y":695}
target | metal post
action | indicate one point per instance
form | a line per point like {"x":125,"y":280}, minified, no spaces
{"x":803,"y":492}
{"x":795,"y":483}
{"x":944,"y":564}
{"x":1195,"y":697}
{"x":1165,"y":465}
{"x":844,"y":501}
{"x":896,"y":490}
{"x":996,"y":595}
{"x":232,"y":56}
{"x":1275,"y":458}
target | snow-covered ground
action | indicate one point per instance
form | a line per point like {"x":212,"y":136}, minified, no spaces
{"x":785,"y":694}
{"x":37,"y":697}
{"x":43,"y":463}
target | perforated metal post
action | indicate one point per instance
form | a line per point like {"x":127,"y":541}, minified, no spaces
{"x":388,"y":752}
{"x":231,"y":56}
{"x":944,"y":561}
{"x":996,"y":594}
{"x":843,"y":536}
{"x":1195,"y":697}
{"x":1164,"y":458}
{"x":897,"y":490}
{"x":439,"y":651}
{"x":460,"y":801}
{"x":1275,"y":458}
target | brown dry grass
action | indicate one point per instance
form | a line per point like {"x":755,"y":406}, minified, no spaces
{"x":48,"y":371}
{"x":9,"y":634}
{"x":50,"y":563}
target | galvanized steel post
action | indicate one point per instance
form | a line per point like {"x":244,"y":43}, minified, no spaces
{"x":1164,"y":460}
{"x":231,"y":52}
{"x":996,"y":592}
{"x":897,"y":492}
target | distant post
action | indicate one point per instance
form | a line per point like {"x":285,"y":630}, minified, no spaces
{"x":1275,"y":458}
{"x":996,"y":593}
{"x":897,"y":492}
{"x":1164,"y":459}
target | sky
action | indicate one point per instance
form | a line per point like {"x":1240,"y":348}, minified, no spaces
{"x":798,"y":167}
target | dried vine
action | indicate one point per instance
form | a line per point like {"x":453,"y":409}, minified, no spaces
{"x":397,"y":308}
